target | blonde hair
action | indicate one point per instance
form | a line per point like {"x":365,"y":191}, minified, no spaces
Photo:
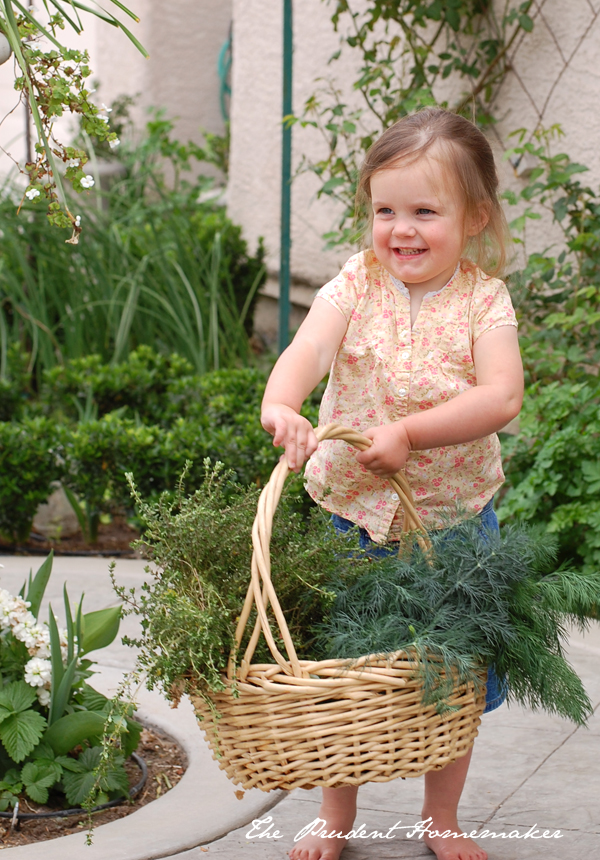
{"x":465,"y":152}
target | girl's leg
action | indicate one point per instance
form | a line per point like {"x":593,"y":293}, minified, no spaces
{"x":338,"y":810}
{"x":443,"y":789}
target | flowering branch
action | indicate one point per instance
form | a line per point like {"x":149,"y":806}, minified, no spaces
{"x":54,"y":81}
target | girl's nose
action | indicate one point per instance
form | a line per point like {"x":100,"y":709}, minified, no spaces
{"x":403,"y":227}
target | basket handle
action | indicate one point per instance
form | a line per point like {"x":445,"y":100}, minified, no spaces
{"x":260,"y":590}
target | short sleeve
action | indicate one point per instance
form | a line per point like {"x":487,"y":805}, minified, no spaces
{"x":344,"y":291}
{"x":491,"y":307}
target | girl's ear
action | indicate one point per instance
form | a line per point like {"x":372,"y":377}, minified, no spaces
{"x":478,"y":221}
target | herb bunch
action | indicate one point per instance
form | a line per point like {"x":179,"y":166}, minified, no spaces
{"x":474,"y":599}
{"x":200,"y":548}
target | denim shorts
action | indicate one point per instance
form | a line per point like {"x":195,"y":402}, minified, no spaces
{"x":496,"y":688}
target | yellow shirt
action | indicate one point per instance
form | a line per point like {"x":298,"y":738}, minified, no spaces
{"x":384,"y":371}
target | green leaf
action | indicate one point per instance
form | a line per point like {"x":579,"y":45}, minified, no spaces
{"x":79,"y":783}
{"x":131,"y":739}
{"x":37,"y":587}
{"x":61,"y":696}
{"x":526,"y":23}
{"x":78,"y":786}
{"x":21,"y":732}
{"x":38,"y":777}
{"x":56,"y":659}
{"x":15,"y":697}
{"x":100,"y":628}
{"x":71,"y":730}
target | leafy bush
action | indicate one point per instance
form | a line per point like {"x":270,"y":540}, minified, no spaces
{"x":97,"y":455}
{"x":553,"y":466}
{"x":139,"y":386}
{"x":29,"y":463}
{"x":51,"y":720}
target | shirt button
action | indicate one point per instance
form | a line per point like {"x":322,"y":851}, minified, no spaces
{"x":402,"y":391}
{"x":404,"y":355}
{"x":395,"y":497}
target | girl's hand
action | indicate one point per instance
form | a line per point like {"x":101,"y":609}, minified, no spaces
{"x":389,"y":451}
{"x":291,"y":431}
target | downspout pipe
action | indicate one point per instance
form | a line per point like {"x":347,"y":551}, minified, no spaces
{"x":286,"y":179}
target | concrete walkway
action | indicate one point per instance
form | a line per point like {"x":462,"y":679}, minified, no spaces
{"x":530,"y":773}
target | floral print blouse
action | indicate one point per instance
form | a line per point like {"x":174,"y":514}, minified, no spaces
{"x":385,"y":370}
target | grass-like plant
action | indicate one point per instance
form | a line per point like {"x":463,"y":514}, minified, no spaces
{"x":156,"y":267}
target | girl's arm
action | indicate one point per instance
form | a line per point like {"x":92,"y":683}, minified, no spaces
{"x":298,"y":371}
{"x":482,"y":410}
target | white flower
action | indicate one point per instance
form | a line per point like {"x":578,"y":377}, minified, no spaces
{"x":107,"y":109}
{"x":38,"y":672}
{"x":87,"y":181}
{"x":114,"y":143}
{"x":102,"y":118}
{"x":73,"y":162}
{"x":28,"y":633}
{"x":32,"y":193}
{"x":43,"y":696}
{"x":77,"y":220}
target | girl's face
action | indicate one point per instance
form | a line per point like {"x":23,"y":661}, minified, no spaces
{"x":419,"y":229}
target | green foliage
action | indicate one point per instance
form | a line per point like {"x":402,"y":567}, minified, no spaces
{"x":155,"y":414}
{"x":406,"y":49}
{"x":495,"y":599}
{"x":557,"y":292}
{"x":200,"y":548}
{"x":52,"y":723}
{"x":29,"y":463}
{"x":552,"y":466}
{"x":157,"y":267}
{"x":20,"y":727}
{"x":97,"y":455}
{"x":138,"y":386}
{"x":79,"y":778}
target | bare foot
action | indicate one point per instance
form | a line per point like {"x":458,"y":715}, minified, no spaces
{"x":325,"y":840}
{"x":448,"y":842}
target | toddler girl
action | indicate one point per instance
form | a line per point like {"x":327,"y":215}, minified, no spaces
{"x":420,"y":341}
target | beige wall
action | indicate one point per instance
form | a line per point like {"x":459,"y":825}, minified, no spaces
{"x":556,"y":79}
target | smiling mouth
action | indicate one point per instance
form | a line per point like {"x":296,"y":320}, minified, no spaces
{"x":408,"y":252}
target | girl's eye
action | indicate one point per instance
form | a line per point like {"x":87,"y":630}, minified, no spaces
{"x":385,"y":210}
{"x":425,"y":212}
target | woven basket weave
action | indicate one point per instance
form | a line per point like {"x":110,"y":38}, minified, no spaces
{"x":297,"y":723}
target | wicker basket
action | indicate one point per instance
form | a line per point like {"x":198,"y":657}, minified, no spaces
{"x":298,"y":724}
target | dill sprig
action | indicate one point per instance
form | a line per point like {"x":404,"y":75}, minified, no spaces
{"x":475,"y":599}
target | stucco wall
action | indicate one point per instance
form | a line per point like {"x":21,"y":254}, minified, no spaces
{"x":555,"y":79}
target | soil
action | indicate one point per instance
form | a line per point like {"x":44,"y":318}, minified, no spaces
{"x":166,"y":764}
{"x":114,"y":538}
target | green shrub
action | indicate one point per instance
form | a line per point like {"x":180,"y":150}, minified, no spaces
{"x":553,"y":466}
{"x":97,"y":455}
{"x":139,"y":386}
{"x":29,"y":463}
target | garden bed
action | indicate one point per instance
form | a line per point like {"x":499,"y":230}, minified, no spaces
{"x":166,"y":764}
{"x":114,"y":538}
